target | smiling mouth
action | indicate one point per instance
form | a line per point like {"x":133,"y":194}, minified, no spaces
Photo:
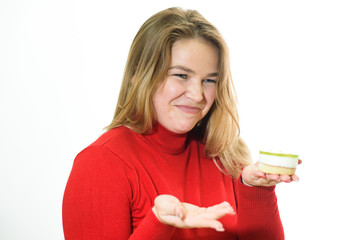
{"x":189,"y":109}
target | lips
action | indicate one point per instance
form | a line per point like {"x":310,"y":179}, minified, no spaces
{"x":189,"y":109}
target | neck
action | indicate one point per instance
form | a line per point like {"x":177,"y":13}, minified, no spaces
{"x":165,"y":140}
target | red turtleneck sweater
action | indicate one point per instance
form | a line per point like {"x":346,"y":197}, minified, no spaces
{"x":114,"y":181}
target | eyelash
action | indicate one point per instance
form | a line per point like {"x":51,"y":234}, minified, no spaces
{"x":184,"y":76}
{"x":210,"y":80}
{"x":181,"y":75}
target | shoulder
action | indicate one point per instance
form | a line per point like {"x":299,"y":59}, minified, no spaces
{"x":106,"y":150}
{"x":100,"y":163}
{"x":116,"y":135}
{"x":98,"y":170}
{"x":117,"y":140}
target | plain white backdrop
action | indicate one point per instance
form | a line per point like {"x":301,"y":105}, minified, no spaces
{"x":296,"y":65}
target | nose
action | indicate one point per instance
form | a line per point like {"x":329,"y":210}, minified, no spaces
{"x":195,"y":90}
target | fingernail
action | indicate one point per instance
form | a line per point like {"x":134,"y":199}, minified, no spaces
{"x":220,"y":229}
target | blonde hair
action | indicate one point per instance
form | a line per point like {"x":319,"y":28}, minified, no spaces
{"x":146,"y":68}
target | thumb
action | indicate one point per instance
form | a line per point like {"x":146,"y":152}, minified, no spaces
{"x":168,"y":205}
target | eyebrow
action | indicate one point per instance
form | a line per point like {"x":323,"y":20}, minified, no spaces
{"x":214,"y":74}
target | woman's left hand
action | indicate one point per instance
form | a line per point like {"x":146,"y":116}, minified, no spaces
{"x":251,"y":175}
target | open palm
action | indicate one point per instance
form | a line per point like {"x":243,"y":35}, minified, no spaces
{"x":169,"y":210}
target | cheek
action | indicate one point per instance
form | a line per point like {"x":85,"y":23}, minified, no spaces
{"x":163,"y":97}
{"x":210,"y":95}
{"x":173,"y":86}
{"x":157,"y":101}
{"x":171,"y":91}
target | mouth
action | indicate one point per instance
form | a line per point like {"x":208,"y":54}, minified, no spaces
{"x":189,"y":109}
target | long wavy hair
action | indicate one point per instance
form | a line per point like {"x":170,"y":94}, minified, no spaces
{"x":147,"y":67}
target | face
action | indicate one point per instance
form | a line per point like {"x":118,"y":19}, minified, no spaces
{"x":188,"y":91}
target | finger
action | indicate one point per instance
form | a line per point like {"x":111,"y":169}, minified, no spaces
{"x":269,"y":183}
{"x":179,"y":211}
{"x":285,"y":178}
{"x":295,"y":178}
{"x":300,"y":161}
{"x":260,"y":174}
{"x":219,"y":210}
{"x":226,"y":208}
{"x":273,"y":177}
{"x":205,"y":218}
{"x":204,"y":223}
{"x":168,"y":205}
{"x":216,"y":225}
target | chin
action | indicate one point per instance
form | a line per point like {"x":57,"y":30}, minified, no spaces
{"x":185,"y":128}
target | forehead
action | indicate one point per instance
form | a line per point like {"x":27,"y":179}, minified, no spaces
{"x":195,"y":53}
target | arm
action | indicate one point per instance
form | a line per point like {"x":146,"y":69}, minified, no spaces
{"x":97,"y":201}
{"x":258,"y":214}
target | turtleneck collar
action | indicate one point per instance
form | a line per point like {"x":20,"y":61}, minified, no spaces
{"x":166,"y":141}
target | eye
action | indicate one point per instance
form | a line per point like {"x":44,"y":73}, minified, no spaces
{"x":210,"y":81}
{"x":184,"y":76}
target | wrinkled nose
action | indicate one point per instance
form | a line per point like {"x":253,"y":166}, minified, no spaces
{"x":195,"y":91}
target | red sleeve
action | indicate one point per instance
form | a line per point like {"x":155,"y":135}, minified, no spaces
{"x":97,"y":201}
{"x":258,"y":214}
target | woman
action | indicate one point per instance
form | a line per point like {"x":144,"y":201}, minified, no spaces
{"x":172,"y":164}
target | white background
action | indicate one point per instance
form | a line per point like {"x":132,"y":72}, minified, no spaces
{"x":296,"y":65}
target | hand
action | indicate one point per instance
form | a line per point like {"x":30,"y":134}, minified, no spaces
{"x":169,"y":210}
{"x":253,"y":176}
